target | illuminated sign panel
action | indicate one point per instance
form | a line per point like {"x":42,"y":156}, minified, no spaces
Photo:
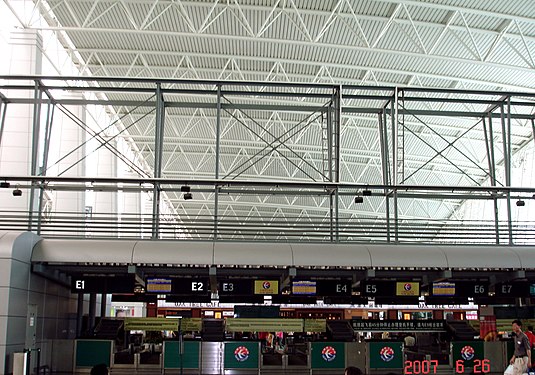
{"x":304,"y":288}
{"x":158,"y":285}
{"x":444,"y":289}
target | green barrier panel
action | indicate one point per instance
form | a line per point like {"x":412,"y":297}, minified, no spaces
{"x":385,"y":355}
{"x":464,"y":353}
{"x":327,"y":355}
{"x":190,"y":356}
{"x":241,"y":355}
{"x":92,"y":352}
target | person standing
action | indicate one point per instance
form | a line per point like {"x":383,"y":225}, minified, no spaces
{"x":531,"y":338}
{"x":352,"y":370}
{"x":521,"y":359}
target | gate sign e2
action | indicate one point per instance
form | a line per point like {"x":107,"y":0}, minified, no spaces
{"x":194,"y":285}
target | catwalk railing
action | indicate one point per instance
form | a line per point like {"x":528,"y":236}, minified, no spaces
{"x":288,"y":229}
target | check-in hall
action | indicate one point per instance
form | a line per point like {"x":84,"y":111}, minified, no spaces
{"x":266,"y":187}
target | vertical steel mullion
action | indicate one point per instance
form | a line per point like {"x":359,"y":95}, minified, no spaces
{"x":338,"y":130}
{"x":493,"y":159}
{"x":533,"y":128}
{"x":337,"y":153}
{"x":3,"y":110}
{"x":507,"y":165}
{"x":331,"y":216}
{"x":329,"y":142}
{"x":217,"y":156}
{"x":394,"y":176}
{"x":158,"y":146}
{"x":384,"y":155}
{"x":35,"y":152}
{"x":337,"y":215}
{"x":489,"y":145}
{"x":46,"y":148}
{"x":509,"y":158}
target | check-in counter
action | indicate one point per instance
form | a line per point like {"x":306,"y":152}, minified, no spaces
{"x":185,"y":359}
{"x":467,"y":356}
{"x":241,"y":356}
{"x":327,"y":357}
{"x":88,"y":353}
{"x":384,"y":356}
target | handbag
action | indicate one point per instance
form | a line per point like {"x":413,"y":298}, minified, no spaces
{"x":509,"y":370}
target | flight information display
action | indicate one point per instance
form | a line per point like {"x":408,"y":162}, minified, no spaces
{"x":304,"y":287}
{"x":159,"y":285}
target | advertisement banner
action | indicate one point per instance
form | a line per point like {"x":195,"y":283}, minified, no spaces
{"x":407,"y":289}
{"x":266,"y":287}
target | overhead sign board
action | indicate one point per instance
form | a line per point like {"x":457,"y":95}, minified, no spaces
{"x":103,"y":284}
{"x":191,"y":286}
{"x":333,"y":288}
{"x":263,"y":325}
{"x":235,"y":287}
{"x":376,"y":325}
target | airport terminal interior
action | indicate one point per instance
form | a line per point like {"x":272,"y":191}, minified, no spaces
{"x":266,"y":186}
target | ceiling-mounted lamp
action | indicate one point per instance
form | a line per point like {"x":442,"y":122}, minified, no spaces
{"x":366,"y":192}
{"x":520,"y":203}
{"x":185,"y":189}
{"x":188,"y":196}
{"x":17,"y":192}
{"x":5,"y":184}
{"x":359,"y":199}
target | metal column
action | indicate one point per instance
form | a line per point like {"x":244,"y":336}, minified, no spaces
{"x":217,"y":156}
{"x":33,"y":206}
{"x":158,"y":148}
{"x":506,"y":136}
{"x":489,"y":143}
{"x":79,"y":314}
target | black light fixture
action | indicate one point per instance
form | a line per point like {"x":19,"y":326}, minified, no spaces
{"x":359,"y":199}
{"x":367,"y":192}
{"x":5,"y":184}
{"x":188,"y":196}
{"x":17,"y":192}
{"x":520,"y":203}
{"x":185,"y":189}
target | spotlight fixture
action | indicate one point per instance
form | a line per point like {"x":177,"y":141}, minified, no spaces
{"x":366,"y":193}
{"x":17,"y":192}
{"x":185,"y":189}
{"x":359,"y":199}
{"x":188,"y":196}
{"x":520,"y":203}
{"x":5,"y":184}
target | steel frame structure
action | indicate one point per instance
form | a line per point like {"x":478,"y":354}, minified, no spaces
{"x":498,"y":119}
